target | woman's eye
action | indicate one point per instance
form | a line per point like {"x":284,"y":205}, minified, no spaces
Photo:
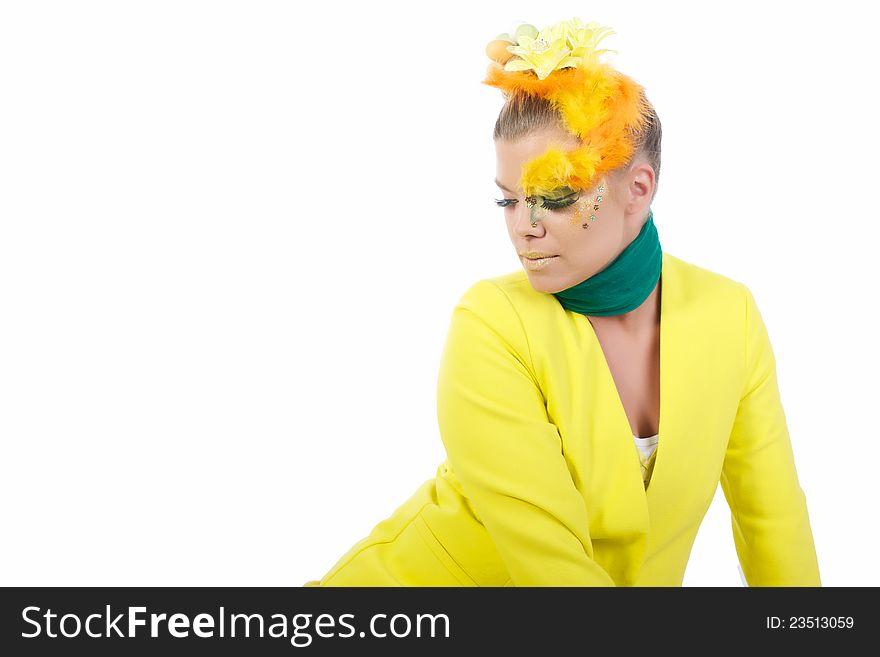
{"x":561,"y":202}
{"x":547,"y":203}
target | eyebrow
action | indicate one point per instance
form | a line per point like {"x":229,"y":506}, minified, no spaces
{"x":502,"y":186}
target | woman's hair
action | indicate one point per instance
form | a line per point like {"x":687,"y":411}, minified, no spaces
{"x":523,"y":114}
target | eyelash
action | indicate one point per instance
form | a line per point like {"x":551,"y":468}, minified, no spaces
{"x":505,"y":202}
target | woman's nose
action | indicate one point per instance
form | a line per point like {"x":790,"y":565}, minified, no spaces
{"x":523,"y":218}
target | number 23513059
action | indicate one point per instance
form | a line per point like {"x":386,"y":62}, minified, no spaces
{"x":809,"y":622}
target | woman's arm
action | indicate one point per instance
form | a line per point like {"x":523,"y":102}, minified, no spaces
{"x":505,"y":452}
{"x":771,"y":527}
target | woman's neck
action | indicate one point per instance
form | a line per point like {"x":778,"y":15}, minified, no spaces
{"x":644,"y":318}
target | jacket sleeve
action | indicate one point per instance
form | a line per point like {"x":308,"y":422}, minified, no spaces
{"x":505,"y":452}
{"x":771,"y":526}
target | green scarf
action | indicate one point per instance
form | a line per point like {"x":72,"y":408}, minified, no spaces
{"x":625,"y":283}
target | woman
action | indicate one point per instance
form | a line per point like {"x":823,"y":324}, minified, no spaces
{"x":591,"y":402}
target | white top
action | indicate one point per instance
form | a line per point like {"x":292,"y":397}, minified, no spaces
{"x":647,"y":451}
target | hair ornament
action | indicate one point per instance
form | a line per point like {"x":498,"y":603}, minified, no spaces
{"x":600,"y":106}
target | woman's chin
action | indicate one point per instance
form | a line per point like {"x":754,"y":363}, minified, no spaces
{"x":543,"y":283}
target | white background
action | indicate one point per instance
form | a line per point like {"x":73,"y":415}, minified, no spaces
{"x":232,"y":235}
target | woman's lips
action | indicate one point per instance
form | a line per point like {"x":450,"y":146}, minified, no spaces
{"x":534,"y":264}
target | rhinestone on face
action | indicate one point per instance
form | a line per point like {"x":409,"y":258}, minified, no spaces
{"x":601,"y":188}
{"x":592,"y":217}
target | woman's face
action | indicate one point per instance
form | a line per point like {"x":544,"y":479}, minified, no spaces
{"x":580,"y":247}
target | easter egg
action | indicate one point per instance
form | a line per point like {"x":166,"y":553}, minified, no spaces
{"x":497,"y":51}
{"x":504,"y":36}
{"x":527,"y":30}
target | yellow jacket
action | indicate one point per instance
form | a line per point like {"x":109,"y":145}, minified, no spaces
{"x":542,"y":484}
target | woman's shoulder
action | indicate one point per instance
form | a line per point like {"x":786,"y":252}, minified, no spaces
{"x":508,"y":295}
{"x":687,"y":272}
{"x":691,"y":285}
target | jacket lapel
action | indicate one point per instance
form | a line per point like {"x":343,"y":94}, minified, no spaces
{"x":694,"y":400}
{"x":622,"y":509}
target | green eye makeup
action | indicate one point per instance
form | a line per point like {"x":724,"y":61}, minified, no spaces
{"x":565,"y":196}
{"x":557,"y":202}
